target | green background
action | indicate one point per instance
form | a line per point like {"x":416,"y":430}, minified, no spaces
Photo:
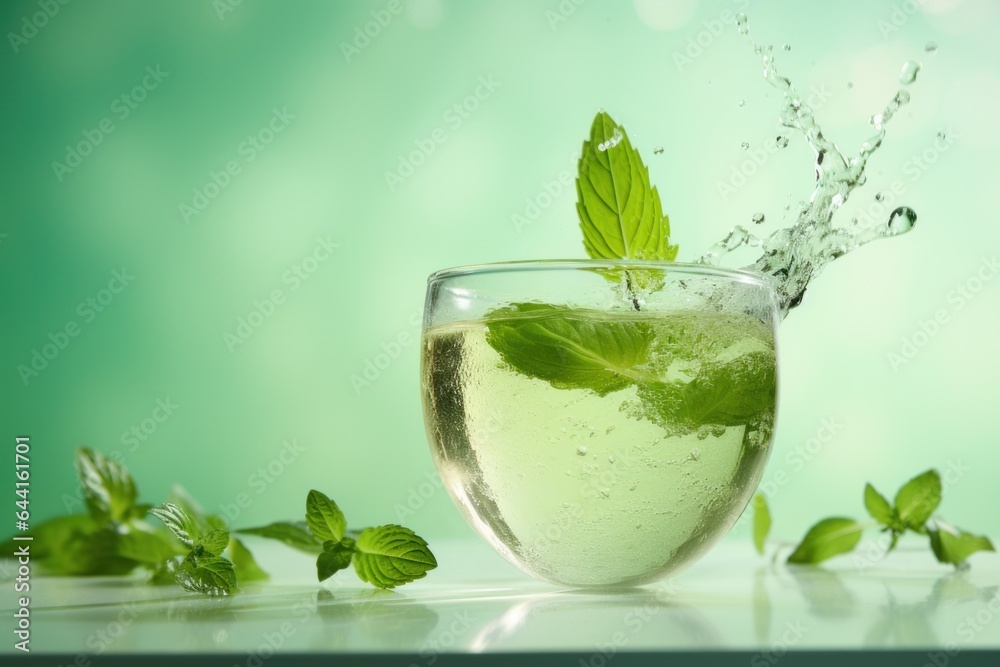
{"x":672,"y":73}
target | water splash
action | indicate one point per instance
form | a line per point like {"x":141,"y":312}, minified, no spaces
{"x":792,"y":256}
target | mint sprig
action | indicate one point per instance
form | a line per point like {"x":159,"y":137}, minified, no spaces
{"x":203,"y":569}
{"x":384,"y":556}
{"x":912,"y":510}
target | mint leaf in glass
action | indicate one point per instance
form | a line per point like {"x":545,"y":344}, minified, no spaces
{"x":826,"y":539}
{"x":917,"y":499}
{"x":335,"y":557}
{"x":292,"y":533}
{"x":620,"y":213}
{"x":761,"y":522}
{"x":568,"y":348}
{"x":325,"y":520}
{"x":179,"y":522}
{"x":108,"y":489}
{"x":389,"y":556}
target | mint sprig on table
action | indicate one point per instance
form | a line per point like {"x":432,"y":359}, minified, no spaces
{"x":196,"y":550}
{"x":912,"y":510}
{"x":384,"y":556}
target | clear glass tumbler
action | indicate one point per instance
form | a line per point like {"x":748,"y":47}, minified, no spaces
{"x":599,"y":423}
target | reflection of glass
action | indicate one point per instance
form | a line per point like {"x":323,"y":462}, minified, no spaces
{"x":599,"y":423}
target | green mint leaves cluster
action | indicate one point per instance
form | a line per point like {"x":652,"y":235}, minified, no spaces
{"x":196,"y":550}
{"x":384,"y":556}
{"x":912,"y":510}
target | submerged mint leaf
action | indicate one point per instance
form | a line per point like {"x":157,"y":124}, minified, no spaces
{"x":179,"y":522}
{"x":826,"y":539}
{"x":878,"y":507}
{"x":620,"y":213}
{"x":569,"y":348}
{"x":732,"y":393}
{"x":917,"y":499}
{"x":244,"y":563}
{"x":294,"y":534}
{"x":761,"y":522}
{"x":389,"y":556}
{"x":209,"y":575}
{"x":335,"y":557}
{"x":954,"y":546}
{"x":108,"y":489}
{"x":324,"y":518}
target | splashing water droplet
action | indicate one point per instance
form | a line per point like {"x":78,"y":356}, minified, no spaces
{"x":741,"y":102}
{"x":581,"y":451}
{"x":695,"y":454}
{"x":850,"y":84}
{"x":908,"y":74}
{"x":787,"y":47}
{"x":791,"y":257}
{"x":930,"y":47}
{"x":658,"y":150}
{"x":879,"y":196}
{"x":942,"y":136}
{"x":611,"y":458}
{"x":758,"y":218}
{"x":901,"y":221}
{"x":745,"y":146}
{"x":781,"y":141}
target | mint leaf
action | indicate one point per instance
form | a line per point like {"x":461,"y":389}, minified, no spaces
{"x":205,"y":522}
{"x":761,"y":522}
{"x":954,"y":546}
{"x":179,"y":522}
{"x":732,"y":393}
{"x":569,"y":348}
{"x":389,"y":556}
{"x":620,"y":214}
{"x":75,"y":545}
{"x":243,"y":562}
{"x":826,"y":539}
{"x":108,"y":489}
{"x":335,"y":557}
{"x":324,"y":518}
{"x":917,"y":499}
{"x":878,"y":507}
{"x":214,"y":543}
{"x":150,"y":549}
{"x":209,"y":575}
{"x":294,"y":534}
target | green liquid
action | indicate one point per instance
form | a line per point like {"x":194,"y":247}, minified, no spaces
{"x":616,"y":489}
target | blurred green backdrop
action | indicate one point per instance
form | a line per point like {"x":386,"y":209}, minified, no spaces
{"x":243,"y":162}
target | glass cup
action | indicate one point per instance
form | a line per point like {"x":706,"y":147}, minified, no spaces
{"x":599,"y":423}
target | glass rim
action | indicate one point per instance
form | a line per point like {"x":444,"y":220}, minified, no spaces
{"x":739,"y":275}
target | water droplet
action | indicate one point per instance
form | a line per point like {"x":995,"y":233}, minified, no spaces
{"x":901,"y":221}
{"x":902,"y":97}
{"x":611,"y":458}
{"x":879,"y":196}
{"x":581,"y":451}
{"x":695,"y":454}
{"x":908,"y":74}
{"x":745,"y":146}
{"x":758,"y":218}
{"x":942,"y":136}
{"x":741,"y":102}
{"x":741,"y":19}
{"x":658,"y":150}
{"x":850,"y":84}
{"x":612,"y":142}
{"x":930,"y":47}
{"x":781,"y":141}
{"x":787,"y":47}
